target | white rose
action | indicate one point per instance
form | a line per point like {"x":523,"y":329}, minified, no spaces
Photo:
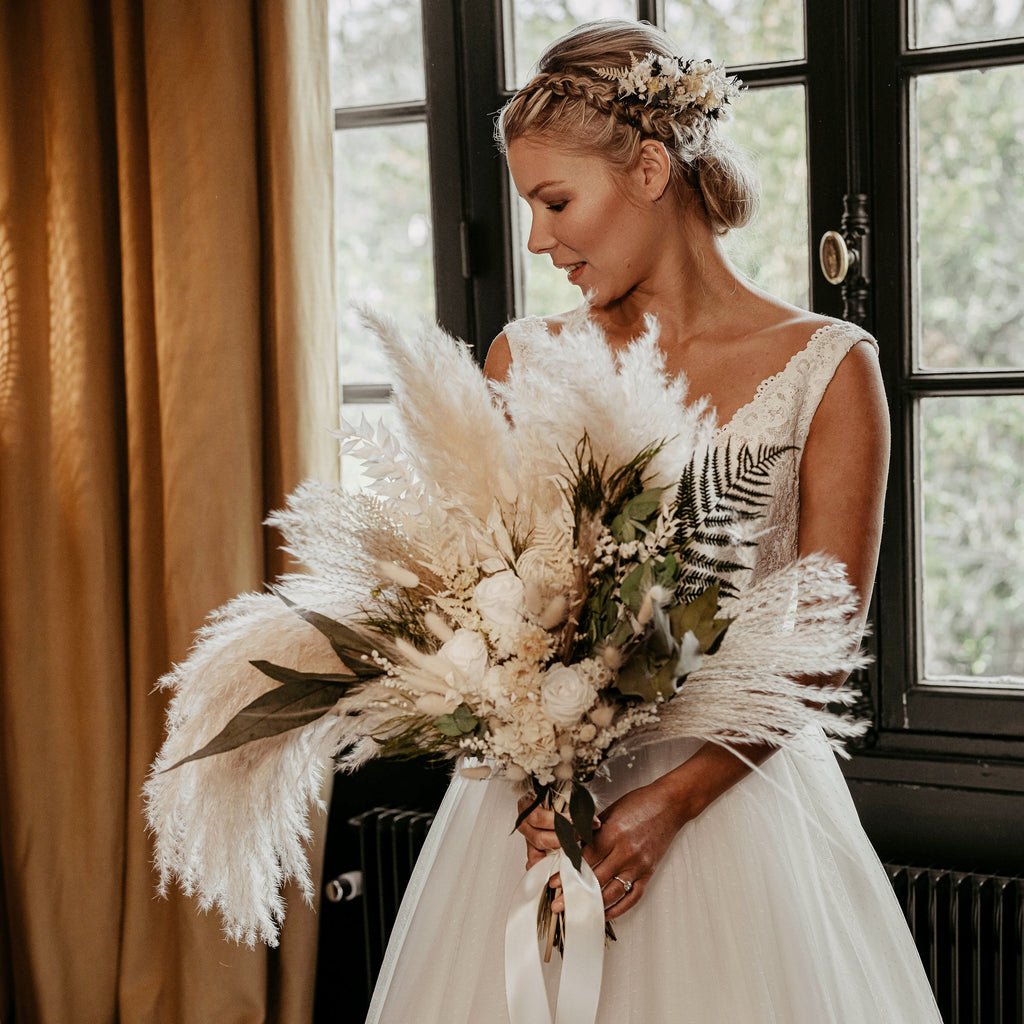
{"x":564,"y":695}
{"x":468,"y":654}
{"x":501,"y":598}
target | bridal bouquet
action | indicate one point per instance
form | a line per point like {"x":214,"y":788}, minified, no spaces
{"x":529,"y":599}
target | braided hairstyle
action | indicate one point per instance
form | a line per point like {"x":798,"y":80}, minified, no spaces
{"x":568,"y":102}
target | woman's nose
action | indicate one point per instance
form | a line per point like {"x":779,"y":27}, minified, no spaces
{"x":540,"y":239}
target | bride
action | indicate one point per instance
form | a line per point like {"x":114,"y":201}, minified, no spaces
{"x":742,"y":887}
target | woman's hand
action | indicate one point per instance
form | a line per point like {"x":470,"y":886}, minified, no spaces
{"x":636,"y":832}
{"x":630,"y":839}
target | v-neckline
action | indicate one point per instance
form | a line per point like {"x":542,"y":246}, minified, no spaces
{"x":771,"y":378}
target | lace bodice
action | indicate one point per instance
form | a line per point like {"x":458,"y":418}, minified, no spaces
{"x":780,"y":412}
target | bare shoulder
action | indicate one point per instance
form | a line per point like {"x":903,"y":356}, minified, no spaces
{"x":499,"y":358}
{"x":499,"y":354}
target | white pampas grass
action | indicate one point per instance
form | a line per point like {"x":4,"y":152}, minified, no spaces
{"x":462,"y":447}
{"x":233,"y":828}
{"x":756,"y":687}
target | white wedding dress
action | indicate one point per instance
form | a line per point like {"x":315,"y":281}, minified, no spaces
{"x":770,"y":907}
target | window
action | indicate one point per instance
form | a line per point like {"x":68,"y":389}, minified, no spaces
{"x":897,"y":121}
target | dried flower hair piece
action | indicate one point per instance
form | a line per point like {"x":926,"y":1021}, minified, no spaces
{"x":676,"y":83}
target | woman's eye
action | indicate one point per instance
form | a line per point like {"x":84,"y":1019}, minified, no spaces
{"x":557,"y":207}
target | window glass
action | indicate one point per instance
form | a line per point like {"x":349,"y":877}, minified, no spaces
{"x":383,"y":247}
{"x":770,"y":124}
{"x":376,"y":52}
{"x":738,"y":31}
{"x":531,"y":24}
{"x":969,"y":303}
{"x":972,"y":554}
{"x":947,"y":22}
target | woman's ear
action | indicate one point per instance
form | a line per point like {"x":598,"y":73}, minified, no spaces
{"x":655,"y":168}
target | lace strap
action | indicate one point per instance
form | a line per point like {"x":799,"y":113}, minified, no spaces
{"x":828,"y":347}
{"x":522,"y":335}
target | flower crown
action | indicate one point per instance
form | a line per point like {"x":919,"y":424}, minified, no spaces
{"x":676,"y":83}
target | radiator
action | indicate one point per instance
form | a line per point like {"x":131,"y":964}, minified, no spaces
{"x":969,"y":928}
{"x":389,"y":843}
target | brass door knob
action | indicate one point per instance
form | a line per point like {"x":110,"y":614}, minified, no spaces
{"x":835,"y":257}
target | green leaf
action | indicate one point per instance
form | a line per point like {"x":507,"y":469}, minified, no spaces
{"x":567,"y":839}
{"x":637,"y":679}
{"x":699,"y":617}
{"x":644,"y":505}
{"x":281,"y":674}
{"x":581,"y":809}
{"x":622,"y":529}
{"x":458,"y":723}
{"x":290,"y":706}
{"x":635,"y":584}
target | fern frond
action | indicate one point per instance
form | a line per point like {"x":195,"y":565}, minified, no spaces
{"x":724,"y":489}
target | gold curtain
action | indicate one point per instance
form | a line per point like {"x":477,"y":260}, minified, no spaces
{"x":166,"y":376}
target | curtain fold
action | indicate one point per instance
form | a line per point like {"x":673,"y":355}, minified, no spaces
{"x":166,"y":376}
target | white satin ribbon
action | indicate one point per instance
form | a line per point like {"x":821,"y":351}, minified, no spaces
{"x":582,"y":961}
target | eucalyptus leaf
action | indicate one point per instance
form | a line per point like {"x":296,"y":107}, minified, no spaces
{"x":645,"y":505}
{"x":635,"y":584}
{"x":542,"y":791}
{"x":567,"y":839}
{"x":289,"y":706}
{"x":458,"y":723}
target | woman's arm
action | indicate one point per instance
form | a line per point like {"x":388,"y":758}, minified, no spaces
{"x":842,"y":484}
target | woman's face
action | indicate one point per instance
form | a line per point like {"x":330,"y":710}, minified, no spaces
{"x":585,"y":217}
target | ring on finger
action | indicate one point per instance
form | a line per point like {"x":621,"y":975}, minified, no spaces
{"x":627,"y":886}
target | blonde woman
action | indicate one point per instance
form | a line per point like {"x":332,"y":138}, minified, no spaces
{"x":738,"y":895}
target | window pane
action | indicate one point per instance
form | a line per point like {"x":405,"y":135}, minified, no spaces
{"x":770,"y":124}
{"x":738,"y":31}
{"x":531,"y":24}
{"x":970,"y":219}
{"x":946,"y":22}
{"x":972,"y":470}
{"x":376,"y":52}
{"x":382,"y":236}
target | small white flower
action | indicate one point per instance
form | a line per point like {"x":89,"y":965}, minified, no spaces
{"x":467,"y":653}
{"x":565,"y":696}
{"x":501,"y":598}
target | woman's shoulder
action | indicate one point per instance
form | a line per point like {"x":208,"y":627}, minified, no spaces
{"x":514,"y":341}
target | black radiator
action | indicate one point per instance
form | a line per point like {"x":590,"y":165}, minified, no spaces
{"x":969,"y":928}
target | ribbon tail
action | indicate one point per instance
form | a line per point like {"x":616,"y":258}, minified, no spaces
{"x":583,"y":959}
{"x":524,"y":977}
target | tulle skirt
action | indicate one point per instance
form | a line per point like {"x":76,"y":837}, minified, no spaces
{"x":770,"y":907}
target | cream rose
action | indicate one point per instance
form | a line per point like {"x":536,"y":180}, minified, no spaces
{"x":564,"y":695}
{"x":468,"y":654}
{"x":501,"y":598}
